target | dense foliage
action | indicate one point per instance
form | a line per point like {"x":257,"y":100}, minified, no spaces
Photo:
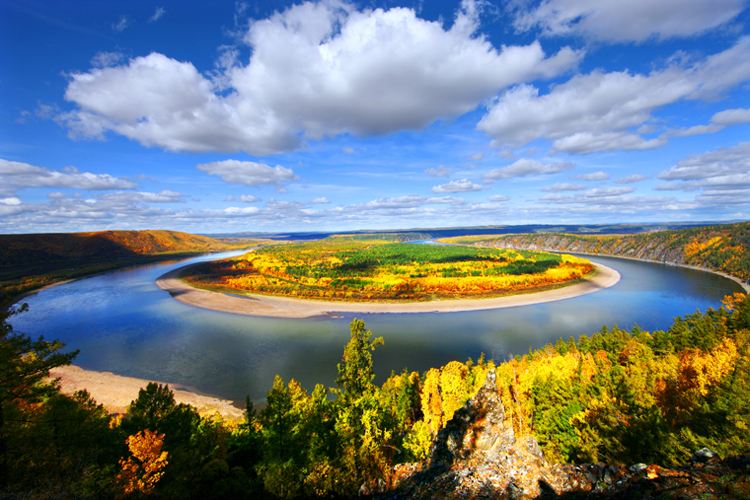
{"x":30,"y":261}
{"x":616,"y":396}
{"x":720,"y":248}
{"x":372,"y":269}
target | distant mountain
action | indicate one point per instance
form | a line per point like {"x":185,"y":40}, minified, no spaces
{"x":29,"y":261}
{"x":723,"y":248}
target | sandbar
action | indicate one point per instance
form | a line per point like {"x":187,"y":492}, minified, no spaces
{"x":115,"y":392}
{"x":284,"y":307}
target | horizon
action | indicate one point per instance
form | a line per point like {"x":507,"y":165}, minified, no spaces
{"x":337,"y":116}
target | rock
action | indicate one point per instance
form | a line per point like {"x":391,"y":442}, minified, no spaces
{"x":477,"y":455}
{"x":637,"y":468}
{"x":704,"y":455}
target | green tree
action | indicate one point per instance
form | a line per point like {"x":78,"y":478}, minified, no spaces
{"x":24,"y":371}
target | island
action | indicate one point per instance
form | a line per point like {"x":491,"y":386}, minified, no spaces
{"x":373,"y":275}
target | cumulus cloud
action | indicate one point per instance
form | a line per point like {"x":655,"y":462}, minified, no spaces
{"x":602,"y":111}
{"x":10,"y":201}
{"x":248,"y":173}
{"x":718,"y":174}
{"x":241,"y":211}
{"x":457,"y":186}
{"x":719,"y":121}
{"x":321,"y":200}
{"x":525,"y":167}
{"x":635,"y":20}
{"x":316,"y":69}
{"x":248,"y":198}
{"x":15,"y":175}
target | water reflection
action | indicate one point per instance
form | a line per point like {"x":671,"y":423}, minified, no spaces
{"x":123,"y":323}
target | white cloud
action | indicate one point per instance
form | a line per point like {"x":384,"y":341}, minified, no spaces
{"x":725,"y":168}
{"x":594,"y":176}
{"x":498,"y":198}
{"x":718,"y":122}
{"x":10,"y":201}
{"x":446,"y":200}
{"x":158,"y":14}
{"x":607,"y":111}
{"x":105,"y":59}
{"x":248,"y":198}
{"x":316,"y":69}
{"x":608,"y":192}
{"x":440,"y":171}
{"x":248,"y":172}
{"x":235,"y":211}
{"x":632,"y":179}
{"x":16,"y":175}
{"x":634,"y":20}
{"x":525,"y":167}
{"x":321,"y":200}
{"x":563,"y":186}
{"x":121,"y":24}
{"x":396,"y":202}
{"x":165,"y":196}
{"x":457,"y":186}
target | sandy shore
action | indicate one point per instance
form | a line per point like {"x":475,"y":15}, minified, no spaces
{"x":116,"y":392}
{"x":282,"y":307}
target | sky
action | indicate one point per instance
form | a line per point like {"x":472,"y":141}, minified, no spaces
{"x":217,"y":117}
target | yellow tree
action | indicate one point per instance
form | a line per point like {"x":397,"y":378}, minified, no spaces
{"x":143,"y":469}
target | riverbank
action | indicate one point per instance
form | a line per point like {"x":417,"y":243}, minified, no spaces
{"x":116,"y":392}
{"x":283,"y":307}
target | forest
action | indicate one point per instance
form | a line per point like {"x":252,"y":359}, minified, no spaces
{"x":615,"y":396}
{"x":32,"y":261}
{"x":369,"y":268}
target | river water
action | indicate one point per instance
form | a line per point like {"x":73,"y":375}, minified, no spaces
{"x":122,"y":322}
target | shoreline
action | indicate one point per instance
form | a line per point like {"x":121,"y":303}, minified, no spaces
{"x":115,"y":392}
{"x":284,"y":307}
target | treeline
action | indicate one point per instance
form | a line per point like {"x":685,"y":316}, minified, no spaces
{"x":616,"y":396}
{"x":31,"y":261}
{"x":719,"y":248}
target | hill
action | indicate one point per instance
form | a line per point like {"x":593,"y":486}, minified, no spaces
{"x":30,"y":261}
{"x":722,"y":248}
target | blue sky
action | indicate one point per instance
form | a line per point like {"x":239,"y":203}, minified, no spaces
{"x":282,"y":116}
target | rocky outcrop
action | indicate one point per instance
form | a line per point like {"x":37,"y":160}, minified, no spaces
{"x":477,"y":455}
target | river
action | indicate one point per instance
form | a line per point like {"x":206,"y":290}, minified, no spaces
{"x":122,"y":322}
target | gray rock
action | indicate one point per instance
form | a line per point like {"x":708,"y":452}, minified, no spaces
{"x":704,"y":455}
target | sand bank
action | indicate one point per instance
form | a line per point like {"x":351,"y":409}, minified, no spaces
{"x":283,"y":307}
{"x":116,"y":392}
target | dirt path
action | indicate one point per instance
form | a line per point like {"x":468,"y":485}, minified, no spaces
{"x":282,"y":307}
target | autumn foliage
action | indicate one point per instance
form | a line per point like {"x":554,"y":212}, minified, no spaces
{"x":352,"y":269}
{"x":617,"y":396}
{"x":143,"y":469}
